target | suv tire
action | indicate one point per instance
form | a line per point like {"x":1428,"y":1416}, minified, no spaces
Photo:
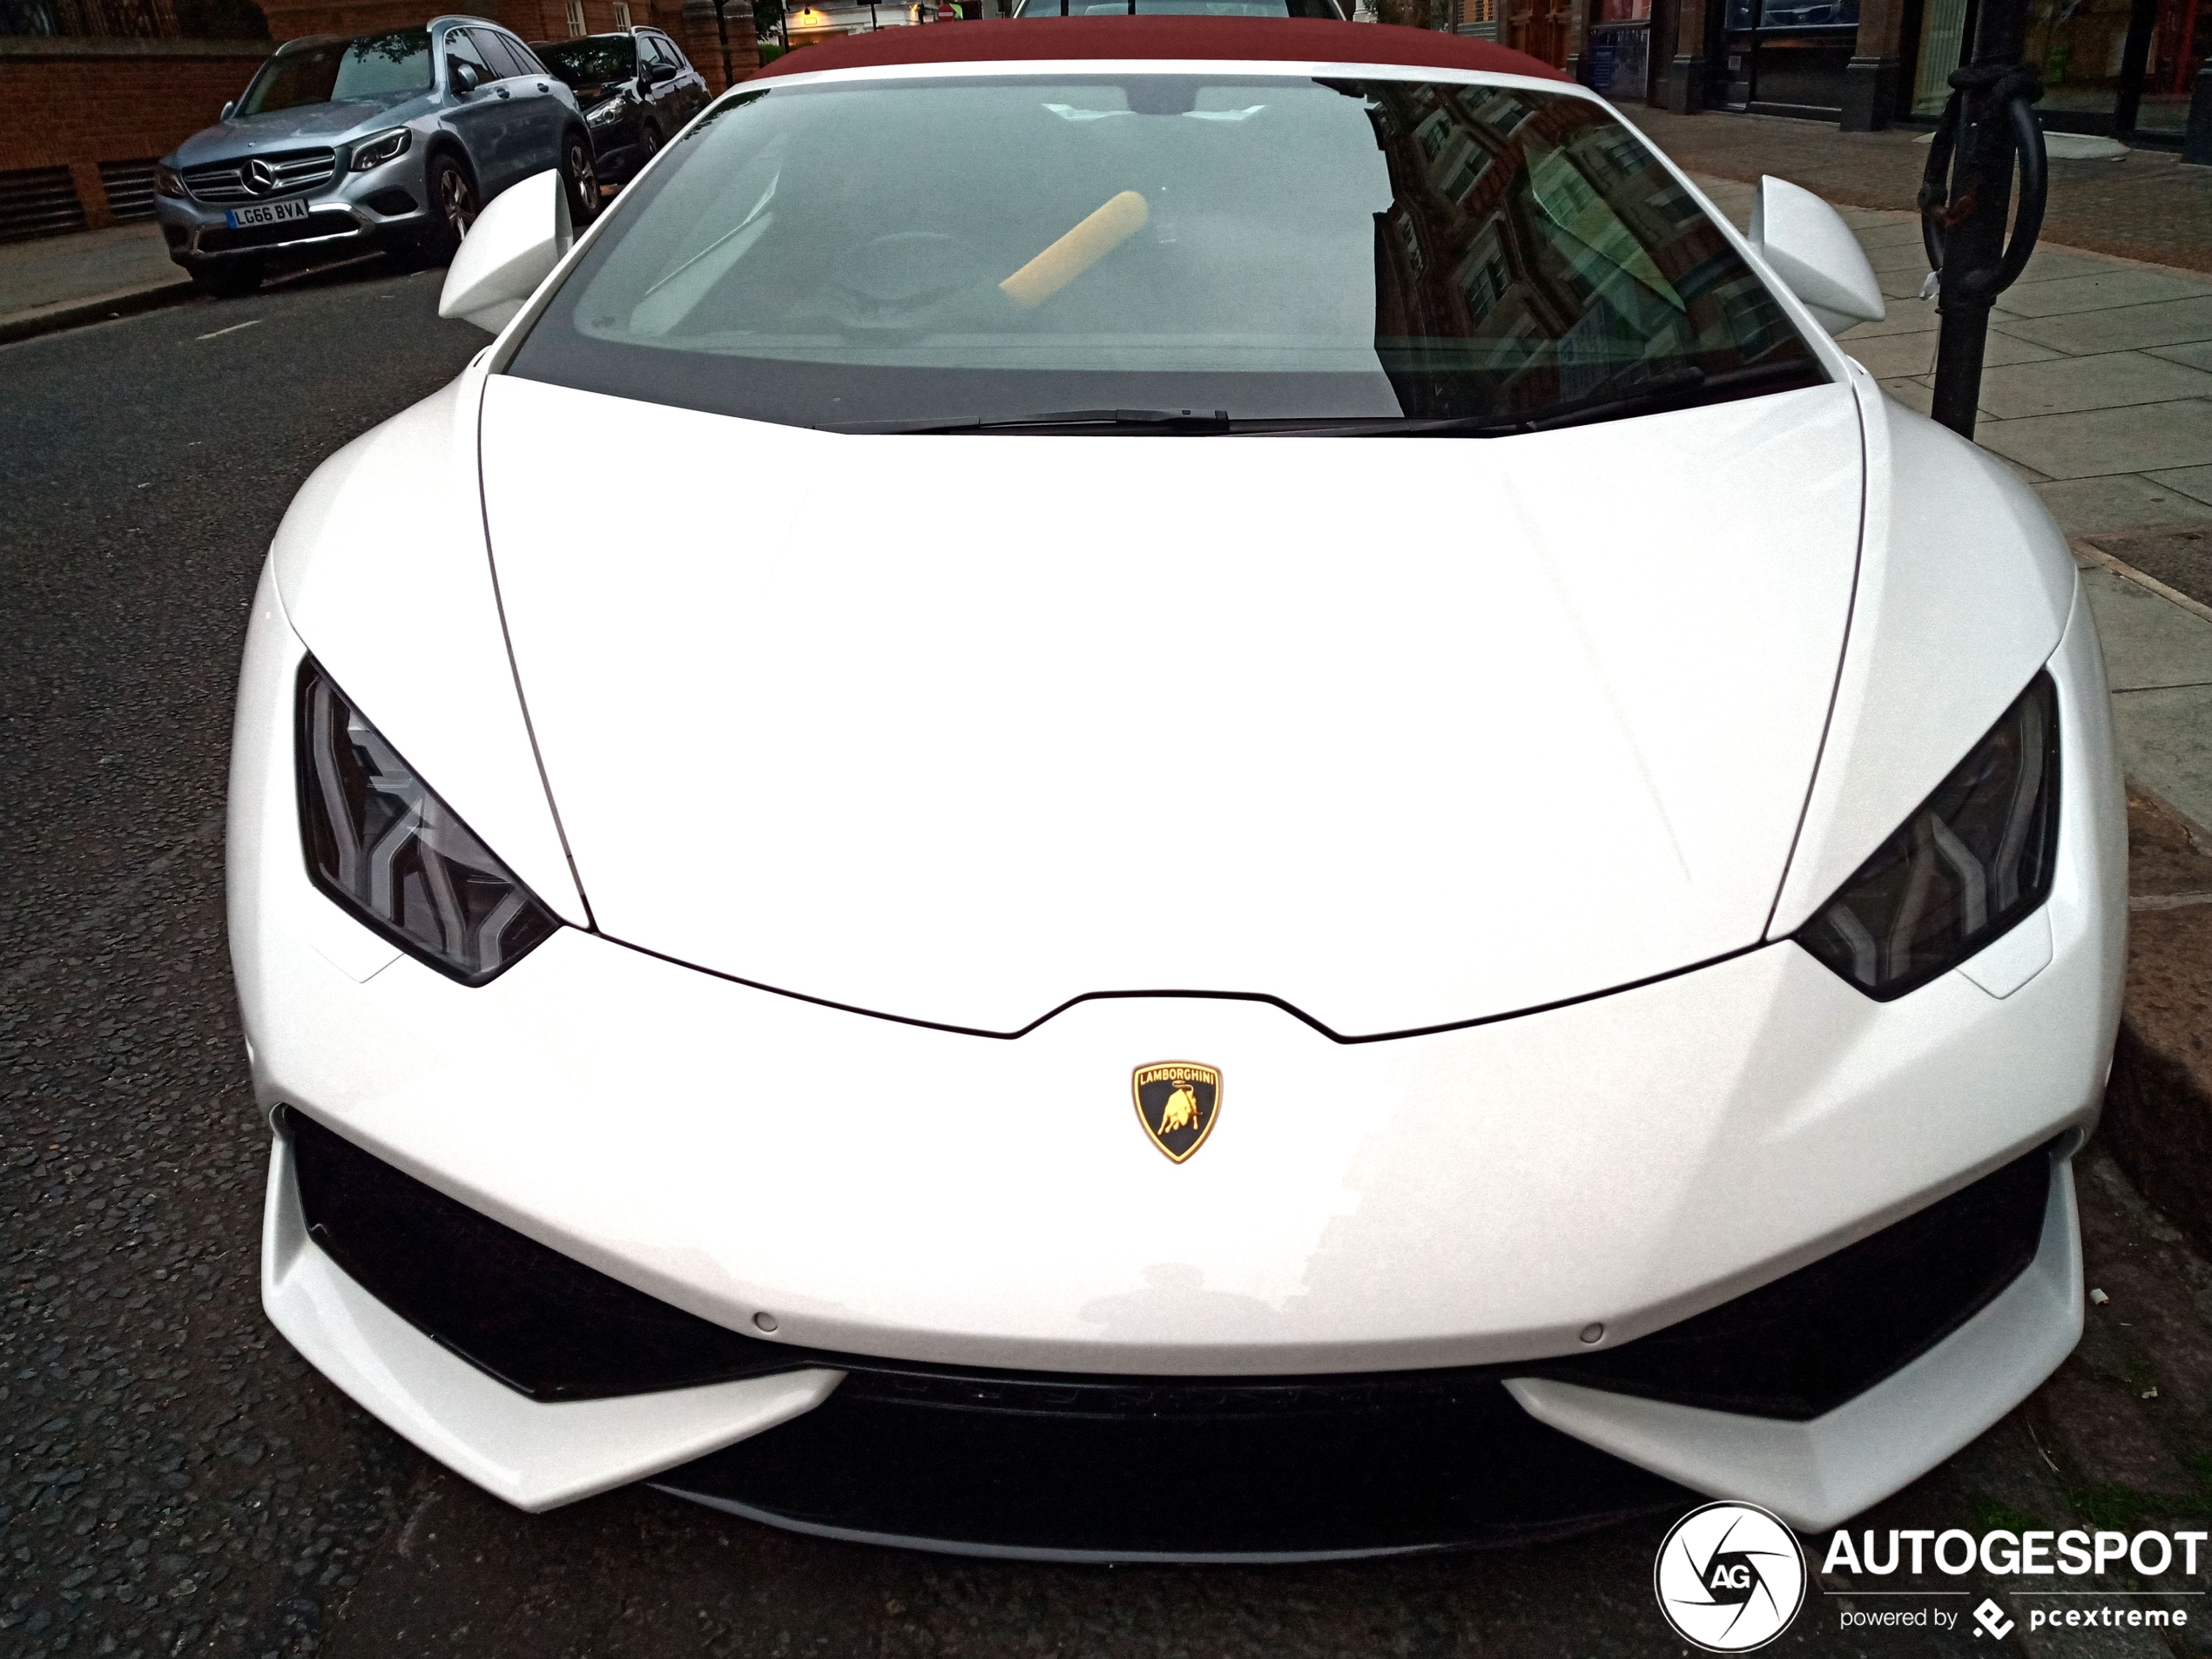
{"x":453,"y":207}
{"x":579,"y":177}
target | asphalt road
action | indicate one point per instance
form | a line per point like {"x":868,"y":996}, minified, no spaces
{"x":174,"y":1480}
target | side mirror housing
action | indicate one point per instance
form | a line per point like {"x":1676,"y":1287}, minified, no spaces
{"x":227,"y":108}
{"x":512,"y":248}
{"x":1813,"y":251}
{"x":463,"y":77}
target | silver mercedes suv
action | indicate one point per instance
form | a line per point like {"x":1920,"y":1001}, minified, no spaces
{"x":387,"y":141}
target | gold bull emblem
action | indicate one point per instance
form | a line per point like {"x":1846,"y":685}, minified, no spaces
{"x":1177,"y":1102}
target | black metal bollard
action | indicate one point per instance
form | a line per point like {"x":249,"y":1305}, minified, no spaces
{"x":1965,"y":197}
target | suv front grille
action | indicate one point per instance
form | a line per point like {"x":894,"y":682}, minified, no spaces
{"x":295,"y":170}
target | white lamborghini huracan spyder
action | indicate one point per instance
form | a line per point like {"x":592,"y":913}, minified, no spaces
{"x":1268,"y":818}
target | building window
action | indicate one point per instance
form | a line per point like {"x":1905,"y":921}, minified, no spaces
{"x":622,"y":14}
{"x":576,"y":19}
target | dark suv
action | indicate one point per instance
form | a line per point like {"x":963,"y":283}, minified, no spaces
{"x":635,"y":88}
{"x":392,"y":140}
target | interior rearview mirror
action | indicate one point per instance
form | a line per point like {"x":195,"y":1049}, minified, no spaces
{"x":1813,"y":251}
{"x":464,"y":79}
{"x":512,"y":248}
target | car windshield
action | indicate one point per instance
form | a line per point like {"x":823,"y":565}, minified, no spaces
{"x":338,"y":71}
{"x":592,"y":61}
{"x":1265,"y":248}
{"x":1178,"y":9}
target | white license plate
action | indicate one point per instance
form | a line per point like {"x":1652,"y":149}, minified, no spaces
{"x":265,"y":214}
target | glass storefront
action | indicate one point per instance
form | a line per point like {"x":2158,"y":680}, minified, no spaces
{"x":1620,"y":49}
{"x":1788,"y":56}
{"x":2108,"y":66}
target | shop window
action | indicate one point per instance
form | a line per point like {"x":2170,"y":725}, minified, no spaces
{"x":622,"y":14}
{"x":2178,"y":41}
{"x":1791,"y":14}
{"x":576,"y":19}
{"x":1943,"y":44}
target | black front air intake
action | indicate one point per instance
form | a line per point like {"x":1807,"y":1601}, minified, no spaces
{"x":545,"y":1324}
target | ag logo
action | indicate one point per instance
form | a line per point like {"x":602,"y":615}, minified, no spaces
{"x":1731,"y":1577}
{"x":1177,"y":1102}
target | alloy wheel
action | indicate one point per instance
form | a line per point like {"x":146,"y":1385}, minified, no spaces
{"x":457,"y":202}
{"x":584,"y":179}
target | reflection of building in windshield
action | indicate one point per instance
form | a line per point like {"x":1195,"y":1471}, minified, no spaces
{"x":1536,"y":252}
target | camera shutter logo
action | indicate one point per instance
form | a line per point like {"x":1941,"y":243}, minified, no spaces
{"x":1731,"y":1577}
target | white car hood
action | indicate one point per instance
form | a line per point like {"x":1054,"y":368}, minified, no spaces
{"x":1399,"y":732}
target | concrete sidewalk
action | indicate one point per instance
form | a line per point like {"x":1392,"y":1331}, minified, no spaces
{"x":59,"y":281}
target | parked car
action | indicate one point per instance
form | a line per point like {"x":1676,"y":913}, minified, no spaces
{"x":391,"y":141}
{"x":1376,"y":860}
{"x":636,"y":89}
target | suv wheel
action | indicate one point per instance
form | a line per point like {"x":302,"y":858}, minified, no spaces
{"x":453,"y":206}
{"x":580,"y":174}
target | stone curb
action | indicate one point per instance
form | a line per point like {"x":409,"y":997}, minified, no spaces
{"x":2158,"y":1104}
{"x":71,"y":314}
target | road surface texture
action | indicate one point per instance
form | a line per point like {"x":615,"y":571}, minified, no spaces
{"x":173,"y":1480}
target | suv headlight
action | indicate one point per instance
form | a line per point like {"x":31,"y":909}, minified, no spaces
{"x":379,"y":148}
{"x":609,"y":111}
{"x":381,"y":844}
{"x":1973,"y":859}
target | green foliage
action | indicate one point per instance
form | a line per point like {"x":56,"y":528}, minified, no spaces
{"x":2115,"y":1506}
{"x":767,"y":17}
{"x":1992,"y":1514}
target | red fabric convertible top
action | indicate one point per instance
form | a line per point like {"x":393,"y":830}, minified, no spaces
{"x":1257,"y":39}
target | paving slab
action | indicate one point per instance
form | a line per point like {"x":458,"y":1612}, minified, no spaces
{"x":2143,"y":438}
{"x":1899,"y":233}
{"x":2150,"y":643}
{"x":54,"y":269}
{"x":2163,"y":739}
{"x":2196,"y":354}
{"x":2193,"y":482}
{"x":2172,"y":322}
{"x":2050,"y":264}
{"x":2064,"y":385}
{"x":2120,"y":285}
{"x":1909,"y":319}
{"x":2118,"y":502}
{"x":1915,"y":394}
{"x":1901,"y":255}
{"x":1887,"y":356}
{"x":2180,"y":559}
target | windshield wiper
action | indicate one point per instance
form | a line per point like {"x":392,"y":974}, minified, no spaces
{"x":1166,"y":421}
{"x":1677,"y":389}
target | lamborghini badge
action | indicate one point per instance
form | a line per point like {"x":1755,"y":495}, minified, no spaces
{"x":1177,"y":1102}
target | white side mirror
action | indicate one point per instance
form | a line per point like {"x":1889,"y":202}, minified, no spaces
{"x":512,"y":248}
{"x":1814,"y":251}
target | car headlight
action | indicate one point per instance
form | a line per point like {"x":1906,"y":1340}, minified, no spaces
{"x":607,"y":114}
{"x":1973,"y":859}
{"x":375,"y":151}
{"x":166,"y":182}
{"x":381,"y":844}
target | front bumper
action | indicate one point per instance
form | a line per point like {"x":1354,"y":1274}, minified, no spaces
{"x":1477,"y":1199}
{"x":387,"y":207}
